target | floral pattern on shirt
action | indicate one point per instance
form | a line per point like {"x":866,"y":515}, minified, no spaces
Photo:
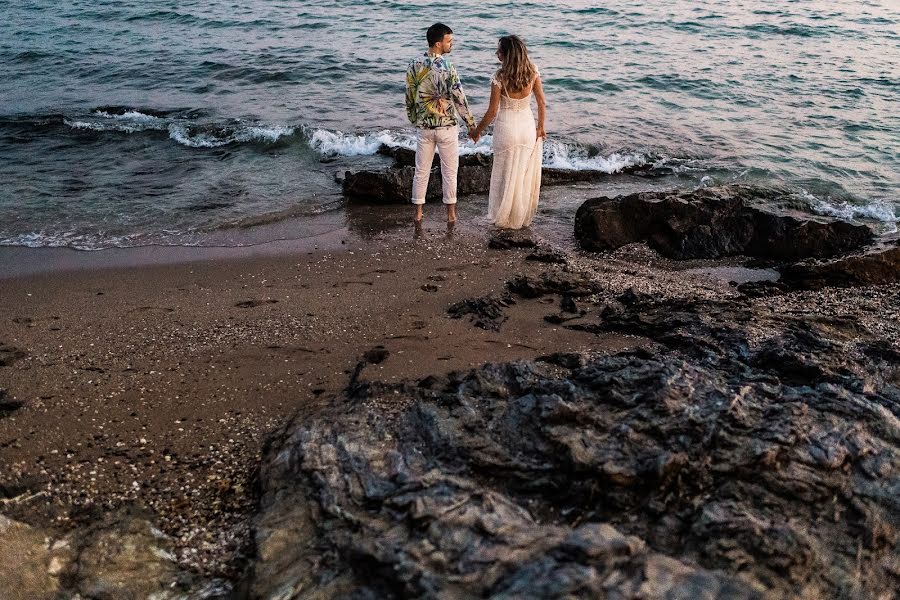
{"x":433,"y":89}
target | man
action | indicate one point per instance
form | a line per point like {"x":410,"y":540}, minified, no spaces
{"x":432,"y":91}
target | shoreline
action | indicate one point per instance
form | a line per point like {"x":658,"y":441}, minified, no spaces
{"x":158,"y":390}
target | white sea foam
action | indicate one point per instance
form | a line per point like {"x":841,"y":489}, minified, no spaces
{"x":556,"y":154}
{"x":183,"y":134}
{"x":128,"y":122}
{"x":133,"y":116}
{"x":337,"y":143}
{"x":69,"y":239}
{"x":564,"y":156}
{"x":871,"y":211}
{"x":85,"y":125}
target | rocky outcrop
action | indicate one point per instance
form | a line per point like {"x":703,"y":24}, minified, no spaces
{"x":726,"y":465}
{"x":876,"y":267}
{"x":120,"y":556}
{"x":713,"y":223}
{"x":394,"y":184}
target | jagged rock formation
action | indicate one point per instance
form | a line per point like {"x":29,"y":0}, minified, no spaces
{"x":725,"y":465}
{"x":713,"y":223}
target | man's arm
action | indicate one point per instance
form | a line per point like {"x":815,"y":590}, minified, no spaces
{"x":459,"y":99}
{"x":411,"y":91}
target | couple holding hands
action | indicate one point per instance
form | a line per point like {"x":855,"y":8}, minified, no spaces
{"x":434,"y":94}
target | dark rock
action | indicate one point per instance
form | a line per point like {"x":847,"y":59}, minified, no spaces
{"x":630,"y":297}
{"x":567,"y":360}
{"x":404,"y":157}
{"x":551,"y":282}
{"x":485,"y":312}
{"x":548,"y":256}
{"x":560,"y":319}
{"x":506,"y":239}
{"x":567,"y":303}
{"x":712,"y":223}
{"x":871,"y":268}
{"x":762,"y":288}
{"x":376,"y":355}
{"x":394,"y":184}
{"x":728,"y":472}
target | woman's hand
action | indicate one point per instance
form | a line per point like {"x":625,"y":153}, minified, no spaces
{"x":474,"y":135}
{"x":541,"y":133}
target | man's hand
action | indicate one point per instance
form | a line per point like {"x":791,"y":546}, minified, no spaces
{"x":541,"y":133}
{"x":474,"y":135}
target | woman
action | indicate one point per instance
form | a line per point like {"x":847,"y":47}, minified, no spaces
{"x":517,"y":142}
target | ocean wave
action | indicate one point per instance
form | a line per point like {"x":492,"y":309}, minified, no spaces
{"x":846,"y":211}
{"x":130,"y":121}
{"x":180,"y":130}
{"x":576,"y":158}
{"x":557,"y":154}
{"x":338,"y":143}
{"x":195,"y":136}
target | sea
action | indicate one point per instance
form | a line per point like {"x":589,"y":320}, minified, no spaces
{"x":149,"y":122}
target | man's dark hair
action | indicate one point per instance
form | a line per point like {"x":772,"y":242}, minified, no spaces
{"x":436,"y":33}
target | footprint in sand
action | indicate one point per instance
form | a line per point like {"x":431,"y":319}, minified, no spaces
{"x":10,"y":354}
{"x":7,"y":404}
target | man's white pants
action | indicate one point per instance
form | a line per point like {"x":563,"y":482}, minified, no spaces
{"x":446,"y":141}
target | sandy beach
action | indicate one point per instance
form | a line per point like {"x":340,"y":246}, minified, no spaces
{"x":135,"y":383}
{"x":156,"y":385}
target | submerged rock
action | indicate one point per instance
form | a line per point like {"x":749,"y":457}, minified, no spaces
{"x":723,"y":467}
{"x":713,"y":223}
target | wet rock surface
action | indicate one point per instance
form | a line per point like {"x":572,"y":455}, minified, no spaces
{"x":507,"y":239}
{"x":752,"y":453}
{"x":713,"y":223}
{"x":485,"y":312}
{"x":877,"y":267}
{"x":393,"y":184}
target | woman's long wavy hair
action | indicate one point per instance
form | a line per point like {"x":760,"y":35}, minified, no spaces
{"x":516,"y":69}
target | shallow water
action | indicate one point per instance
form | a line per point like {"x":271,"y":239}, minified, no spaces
{"x":128,"y":123}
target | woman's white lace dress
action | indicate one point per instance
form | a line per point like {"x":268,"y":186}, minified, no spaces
{"x":516,"y":175}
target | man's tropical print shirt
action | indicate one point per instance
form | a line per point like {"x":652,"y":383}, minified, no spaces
{"x":432,"y":90}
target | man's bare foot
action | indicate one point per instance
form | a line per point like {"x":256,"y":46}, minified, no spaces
{"x":451,"y":213}
{"x":418,"y":217}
